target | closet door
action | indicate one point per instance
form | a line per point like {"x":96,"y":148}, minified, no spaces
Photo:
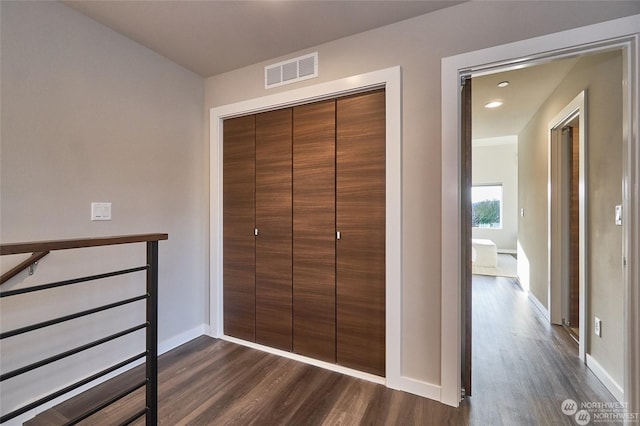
{"x":238,"y":223}
{"x":360,"y":218}
{"x":273,"y":221}
{"x":314,"y":230}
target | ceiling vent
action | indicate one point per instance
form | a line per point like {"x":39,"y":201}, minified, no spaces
{"x":291,"y":70}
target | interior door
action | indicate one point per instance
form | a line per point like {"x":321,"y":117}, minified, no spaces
{"x":574,"y":232}
{"x":360,"y":219}
{"x":465,"y":227}
{"x":314,"y":251}
{"x":238,"y":224}
{"x":273,"y":224}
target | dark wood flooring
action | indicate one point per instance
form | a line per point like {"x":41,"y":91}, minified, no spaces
{"x":523,"y":370}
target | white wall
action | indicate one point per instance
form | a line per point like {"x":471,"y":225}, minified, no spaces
{"x":601,"y":76}
{"x":495,"y":161}
{"x":418,"y":45}
{"x":88,"y":115}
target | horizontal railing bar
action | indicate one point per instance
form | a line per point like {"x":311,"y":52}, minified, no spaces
{"x":29,"y":247}
{"x":34,"y":258}
{"x":70,"y":352}
{"x":70,"y":317}
{"x":72,"y":281}
{"x":71,"y":387}
{"x":105,"y":404}
{"x":135,"y":416}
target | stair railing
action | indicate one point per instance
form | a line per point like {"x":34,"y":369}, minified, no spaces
{"x":39,"y":250}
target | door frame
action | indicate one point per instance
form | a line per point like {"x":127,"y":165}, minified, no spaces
{"x":390,"y":79}
{"x":555,"y":211}
{"x":620,"y":33}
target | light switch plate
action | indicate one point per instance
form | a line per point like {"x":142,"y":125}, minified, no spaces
{"x":597,"y":329}
{"x":100,"y":211}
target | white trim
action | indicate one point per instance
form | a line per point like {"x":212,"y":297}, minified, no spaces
{"x":389,"y":78}
{"x":562,"y":44}
{"x":181,"y":339}
{"x":538,"y":306}
{"x":311,"y":361}
{"x":555,"y":294}
{"x":602,"y":375}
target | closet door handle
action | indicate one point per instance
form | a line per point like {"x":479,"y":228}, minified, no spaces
{"x":338,"y":235}
{"x":255,"y":232}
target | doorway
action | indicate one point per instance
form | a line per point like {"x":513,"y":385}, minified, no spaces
{"x":568,"y":232}
{"x":544,"y":199}
{"x":620,"y":33}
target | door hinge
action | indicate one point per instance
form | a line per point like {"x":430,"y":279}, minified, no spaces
{"x":463,"y":393}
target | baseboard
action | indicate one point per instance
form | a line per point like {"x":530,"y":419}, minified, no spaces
{"x":605,"y":378}
{"x":417,"y":387}
{"x":507,"y":251}
{"x":164,"y":346}
{"x":539,"y":306}
{"x":181,"y":339}
{"x":403,"y":383}
{"x":311,"y":361}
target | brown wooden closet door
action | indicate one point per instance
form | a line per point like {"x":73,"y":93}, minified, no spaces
{"x":238,"y":223}
{"x":273,"y":221}
{"x":360,"y":214}
{"x":314,"y":230}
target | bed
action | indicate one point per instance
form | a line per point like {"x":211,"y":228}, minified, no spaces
{"x":484,"y":253}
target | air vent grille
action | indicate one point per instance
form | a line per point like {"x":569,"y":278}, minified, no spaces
{"x":291,"y":70}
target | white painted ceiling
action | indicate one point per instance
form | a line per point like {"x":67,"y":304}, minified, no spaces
{"x":528,"y":89}
{"x":212,"y":37}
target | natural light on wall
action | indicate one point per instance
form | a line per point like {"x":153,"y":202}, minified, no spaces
{"x":486,"y":206}
{"x":523,"y":268}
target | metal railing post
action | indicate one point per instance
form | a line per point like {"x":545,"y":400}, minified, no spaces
{"x":152,"y":334}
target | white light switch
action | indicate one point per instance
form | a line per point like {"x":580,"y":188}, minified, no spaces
{"x":100,"y":211}
{"x":618,"y":215}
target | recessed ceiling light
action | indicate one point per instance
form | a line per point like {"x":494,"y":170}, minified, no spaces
{"x":493,"y":104}
{"x":503,"y":84}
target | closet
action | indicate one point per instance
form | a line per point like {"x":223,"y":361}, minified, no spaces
{"x":304,"y":230}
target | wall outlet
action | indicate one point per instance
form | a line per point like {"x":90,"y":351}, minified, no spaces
{"x":597,"y":327}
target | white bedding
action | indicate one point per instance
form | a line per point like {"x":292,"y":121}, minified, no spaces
{"x":484,"y":253}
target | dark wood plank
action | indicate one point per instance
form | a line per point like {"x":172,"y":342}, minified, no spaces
{"x":238,"y":225}
{"x":360,"y":217}
{"x":274,"y":223}
{"x":314,"y":230}
{"x":524,"y":369}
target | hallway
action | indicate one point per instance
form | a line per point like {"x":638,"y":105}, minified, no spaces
{"x":523,"y":367}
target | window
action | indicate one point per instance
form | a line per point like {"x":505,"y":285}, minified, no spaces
{"x":486,"y":206}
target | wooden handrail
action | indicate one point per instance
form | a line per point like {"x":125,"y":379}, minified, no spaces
{"x":35,"y":257}
{"x":42,"y":246}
